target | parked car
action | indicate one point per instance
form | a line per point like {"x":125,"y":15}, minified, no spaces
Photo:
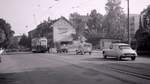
{"x":62,"y":48}
{"x":120,"y":50}
{"x":84,"y":48}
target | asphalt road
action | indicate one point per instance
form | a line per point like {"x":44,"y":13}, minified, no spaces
{"x":46,"y":68}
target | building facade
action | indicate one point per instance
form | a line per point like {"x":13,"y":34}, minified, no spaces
{"x":134,"y":24}
{"x":63,"y":30}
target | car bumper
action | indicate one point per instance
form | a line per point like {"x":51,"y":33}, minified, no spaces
{"x":128,"y":55}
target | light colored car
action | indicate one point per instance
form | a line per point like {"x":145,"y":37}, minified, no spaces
{"x":84,"y":48}
{"x":120,"y":50}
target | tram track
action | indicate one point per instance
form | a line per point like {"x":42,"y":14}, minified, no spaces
{"x":128,"y":72}
{"x":89,"y":68}
{"x":131,"y":66}
{"x":110,"y":67}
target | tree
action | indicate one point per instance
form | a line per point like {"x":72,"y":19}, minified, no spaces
{"x":143,"y":33}
{"x":44,"y":29}
{"x":78,"y":23}
{"x":24,"y":41}
{"x":94,"y":30}
{"x":115,"y":21}
{"x":89,"y":26}
{"x":5,"y":33}
{"x":95,"y":23}
{"x":14,"y":44}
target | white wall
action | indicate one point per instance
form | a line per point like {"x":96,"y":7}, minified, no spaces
{"x":62,"y":31}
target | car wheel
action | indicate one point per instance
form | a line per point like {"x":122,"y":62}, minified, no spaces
{"x":77,"y":52}
{"x":133,"y":58}
{"x":119,"y":58}
{"x":90,"y":53}
{"x":82,"y":53}
{"x":105,"y":57}
{"x":57,"y":51}
{"x":34,"y":51}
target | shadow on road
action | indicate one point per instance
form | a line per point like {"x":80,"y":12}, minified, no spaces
{"x":38,"y":75}
{"x":7,"y":78}
{"x":58,"y":75}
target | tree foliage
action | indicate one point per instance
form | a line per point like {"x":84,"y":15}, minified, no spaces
{"x":5,"y":33}
{"x":24,"y":41}
{"x":78,"y":23}
{"x":95,"y":26}
{"x":143,"y":33}
{"x":44,"y":29}
{"x":88,"y":26}
{"x":94,"y":30}
{"x":14,"y":44}
{"x":114,"y":23}
{"x":95,"y":23}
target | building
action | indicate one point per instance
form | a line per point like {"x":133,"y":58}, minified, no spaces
{"x":105,"y":43}
{"x":134,"y":24}
{"x":62,"y":30}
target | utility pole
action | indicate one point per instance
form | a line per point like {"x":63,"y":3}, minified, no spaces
{"x":129,"y":40}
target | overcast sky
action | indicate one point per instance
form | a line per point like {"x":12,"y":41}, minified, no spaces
{"x":24,"y":15}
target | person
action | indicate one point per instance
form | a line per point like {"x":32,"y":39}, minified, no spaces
{"x":48,"y":48}
{"x":1,"y":52}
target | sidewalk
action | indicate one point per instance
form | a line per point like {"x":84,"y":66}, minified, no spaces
{"x":12,"y":53}
{"x":95,"y":52}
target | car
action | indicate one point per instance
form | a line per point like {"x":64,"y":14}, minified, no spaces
{"x":120,"y":50}
{"x":84,"y":48}
{"x":62,"y":49}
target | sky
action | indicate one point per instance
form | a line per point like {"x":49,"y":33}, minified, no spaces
{"x":24,"y":15}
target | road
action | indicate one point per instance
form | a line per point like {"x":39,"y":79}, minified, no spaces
{"x":46,"y":68}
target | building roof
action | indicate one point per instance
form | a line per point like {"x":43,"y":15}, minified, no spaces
{"x":53,"y":22}
{"x":62,"y":17}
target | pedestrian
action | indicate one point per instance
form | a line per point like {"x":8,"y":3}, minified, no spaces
{"x":1,"y":52}
{"x":48,"y":49}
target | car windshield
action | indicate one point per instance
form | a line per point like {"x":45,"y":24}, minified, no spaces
{"x":124,"y":47}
